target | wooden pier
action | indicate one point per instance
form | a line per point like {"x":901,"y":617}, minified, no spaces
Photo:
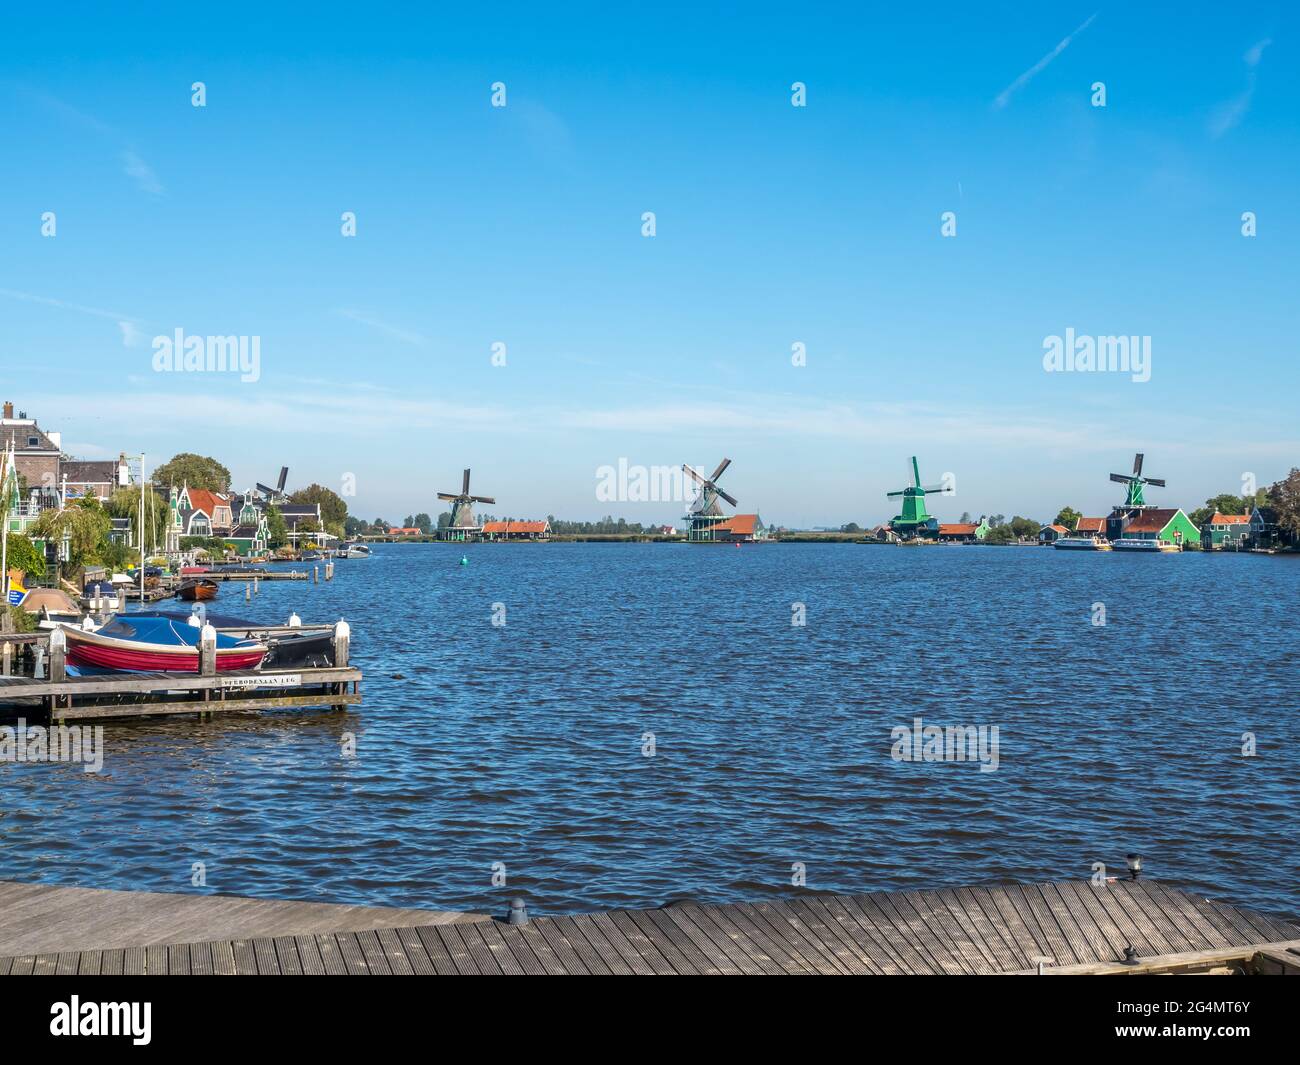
{"x":58,"y":698}
{"x":1066,"y":927}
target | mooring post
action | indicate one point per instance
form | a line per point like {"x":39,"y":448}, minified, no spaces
{"x":207,"y":651}
{"x":257,"y":589}
{"x":6,"y":659}
{"x":58,"y":653}
{"x":248,"y":591}
{"x":518,"y":912}
{"x":342,"y":640}
{"x":315,"y":575}
{"x":329,"y":571}
{"x":38,"y":662}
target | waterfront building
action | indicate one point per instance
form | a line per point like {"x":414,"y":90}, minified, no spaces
{"x":1166,"y":526}
{"x":1225,"y":531}
{"x":517,"y":530}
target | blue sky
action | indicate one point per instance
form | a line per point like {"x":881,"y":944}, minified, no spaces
{"x":775,"y":225}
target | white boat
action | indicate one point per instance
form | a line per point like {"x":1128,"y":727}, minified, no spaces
{"x":1151,"y":547}
{"x":1081,"y":543}
{"x":355,"y":551}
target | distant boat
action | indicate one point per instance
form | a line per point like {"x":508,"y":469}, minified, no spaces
{"x":155,"y":645}
{"x":1081,"y":543}
{"x":194,"y":591}
{"x":1150,"y":547}
{"x":311,"y":556}
{"x":355,"y":551}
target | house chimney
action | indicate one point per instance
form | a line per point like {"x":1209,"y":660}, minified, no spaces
{"x":9,"y":410}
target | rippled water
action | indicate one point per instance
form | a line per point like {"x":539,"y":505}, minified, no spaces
{"x":522,"y":743}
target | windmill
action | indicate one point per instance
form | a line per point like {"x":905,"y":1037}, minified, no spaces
{"x":463,"y":523}
{"x":276,"y":494}
{"x":1135,"y":481}
{"x":914,"y":517}
{"x":707,"y":505}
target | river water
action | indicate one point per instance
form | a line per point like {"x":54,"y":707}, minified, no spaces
{"x":605,"y":725}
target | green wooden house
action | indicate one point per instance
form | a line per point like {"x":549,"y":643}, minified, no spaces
{"x":1166,"y":526}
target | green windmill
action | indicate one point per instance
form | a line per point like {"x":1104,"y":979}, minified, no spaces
{"x":1135,"y":481}
{"x":915,"y":519}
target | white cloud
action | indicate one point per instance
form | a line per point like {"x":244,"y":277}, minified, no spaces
{"x":142,"y":173}
{"x":406,"y":336}
{"x":1004,"y":97}
{"x":1228,"y":114}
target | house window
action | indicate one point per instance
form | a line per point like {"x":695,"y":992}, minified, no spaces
{"x":33,"y":441}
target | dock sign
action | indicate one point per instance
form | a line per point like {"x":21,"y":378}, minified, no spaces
{"x":266,"y":680}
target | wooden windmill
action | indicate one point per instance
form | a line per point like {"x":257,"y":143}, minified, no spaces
{"x":707,"y":505}
{"x":463,"y":524}
{"x":915,"y":519}
{"x":276,"y":494}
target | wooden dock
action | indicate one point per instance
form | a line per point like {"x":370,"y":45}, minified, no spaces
{"x":1067,"y":927}
{"x":59,"y":698}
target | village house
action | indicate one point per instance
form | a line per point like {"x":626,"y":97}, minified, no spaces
{"x":1049,"y":534}
{"x":405,"y":530}
{"x":517,"y":530}
{"x":738,"y":529}
{"x":1093,"y":528}
{"x":1168,"y":526}
{"x":1225,"y":532}
{"x":80,"y":479}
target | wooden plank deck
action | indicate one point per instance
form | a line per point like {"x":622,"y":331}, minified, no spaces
{"x":40,"y":919}
{"x":975,"y":930}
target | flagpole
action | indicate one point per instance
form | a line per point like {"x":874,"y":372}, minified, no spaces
{"x":4,"y":535}
{"x":141,"y":537}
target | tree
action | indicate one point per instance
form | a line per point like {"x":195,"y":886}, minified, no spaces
{"x":85,"y":524}
{"x":851,"y":527}
{"x":1024,"y":528}
{"x":1069,"y":517}
{"x":23,"y":556}
{"x":444,"y":519}
{"x":1000,"y":534}
{"x":333,"y":511}
{"x":424,"y":523}
{"x":197,"y":471}
{"x":277,"y":532}
{"x":1284,"y":497}
{"x":125,"y":503}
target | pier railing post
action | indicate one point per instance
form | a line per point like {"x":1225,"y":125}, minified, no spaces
{"x":6,"y":659}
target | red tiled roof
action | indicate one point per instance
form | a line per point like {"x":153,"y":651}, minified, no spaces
{"x":1086,"y":525}
{"x":1150,"y":521}
{"x":516,"y":526}
{"x":1061,"y":529}
{"x":202,"y":499}
{"x":1230,"y":519}
{"x":740,"y":524}
{"x":959,"y":528}
{"x":406,"y":531}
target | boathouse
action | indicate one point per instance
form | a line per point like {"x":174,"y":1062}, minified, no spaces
{"x":737,"y":529}
{"x":517,"y":530}
{"x":1049,"y":534}
{"x":1163,"y":525}
{"x":963,"y":532}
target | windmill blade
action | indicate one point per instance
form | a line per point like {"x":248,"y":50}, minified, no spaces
{"x":721,"y":466}
{"x":936,"y":488}
{"x":482,"y":499}
{"x":270,"y":493}
{"x":894,"y":495}
{"x":448,"y":496}
{"x":1137,"y":465}
{"x":1157,"y":481}
{"x":692,"y":471}
{"x":284,"y":476}
{"x":1120,"y":478}
{"x":465,"y":489}
{"x":729,"y":499}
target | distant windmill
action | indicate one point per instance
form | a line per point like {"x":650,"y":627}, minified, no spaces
{"x":462,"y":510}
{"x":914,"y":516}
{"x":710,"y":493}
{"x":1135,"y":481}
{"x":275,"y":495}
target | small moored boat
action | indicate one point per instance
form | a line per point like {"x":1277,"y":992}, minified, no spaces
{"x":197,"y":590}
{"x":1081,"y":543}
{"x":155,"y":645}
